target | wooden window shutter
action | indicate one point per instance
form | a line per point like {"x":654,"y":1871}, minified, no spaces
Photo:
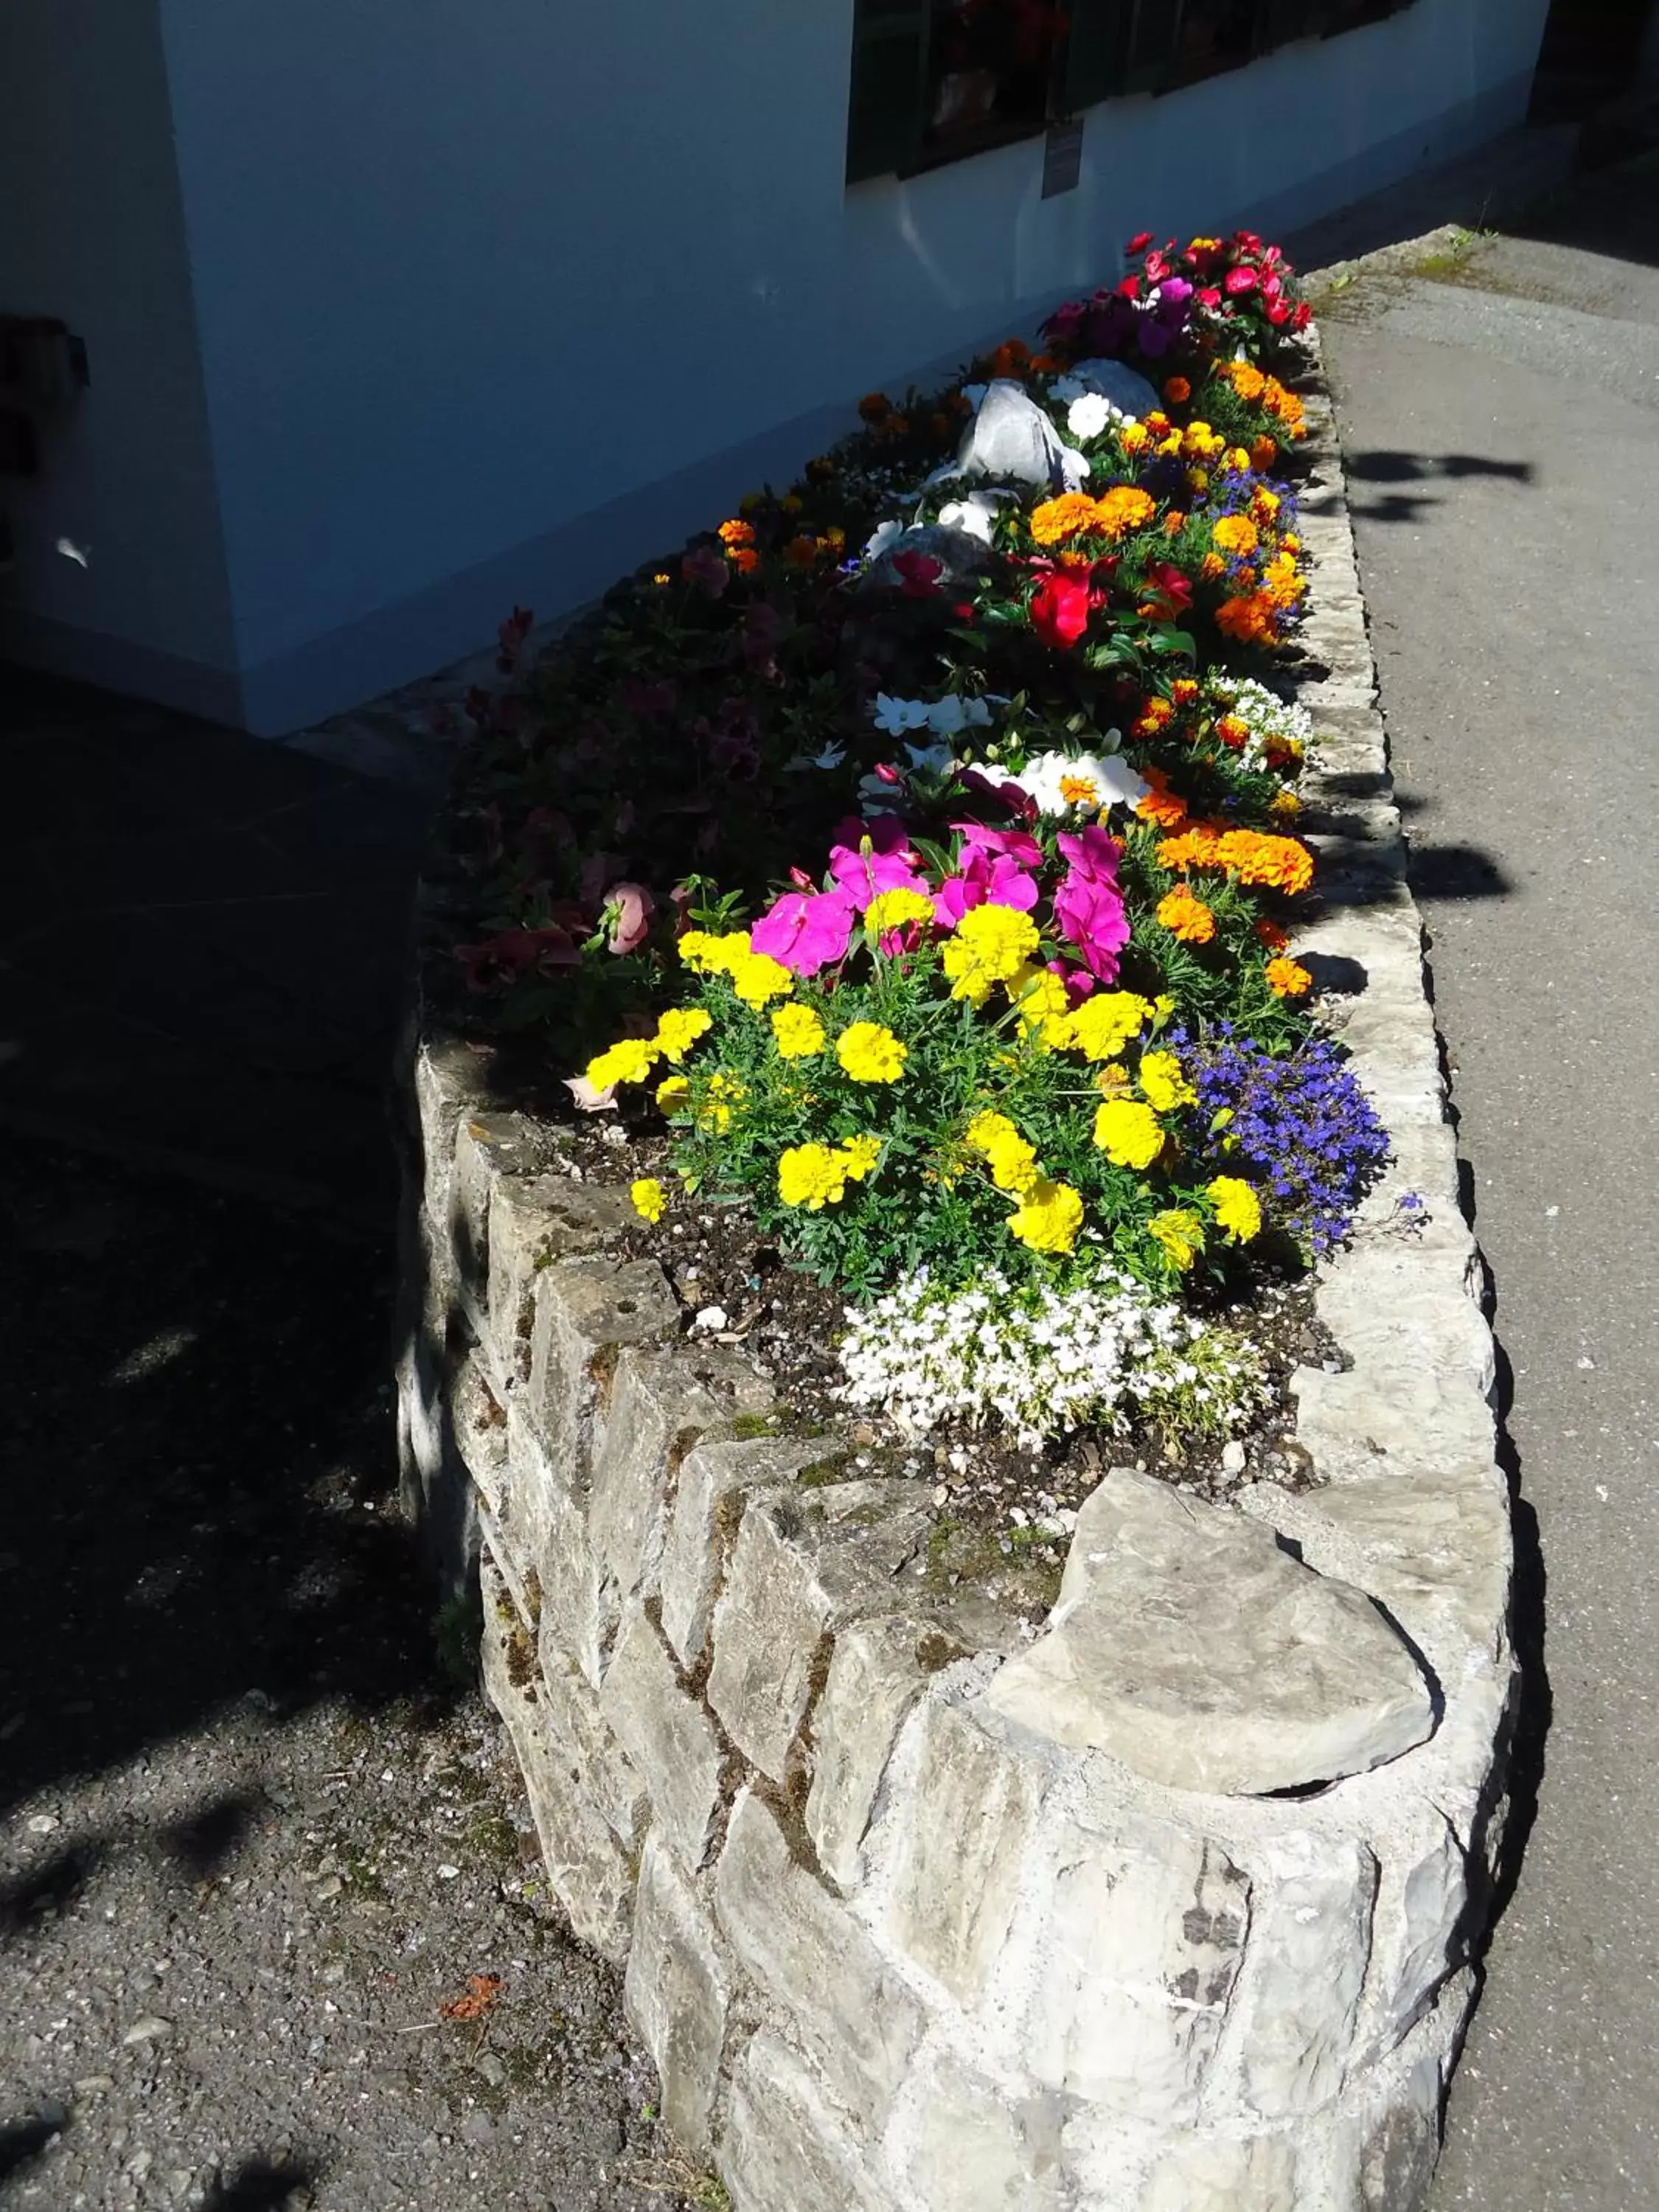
{"x":1093,"y":52}
{"x":1153,"y":44}
{"x":890,"y":83}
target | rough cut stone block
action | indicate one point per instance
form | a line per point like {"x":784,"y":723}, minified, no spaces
{"x":597,"y":1763}
{"x":550,"y":1527}
{"x":668,"y":1737}
{"x":591,"y":1872}
{"x":449,"y":1080}
{"x":661,"y":1403}
{"x":1397,"y":1420}
{"x":677,"y":1994}
{"x":586,"y":1311}
{"x":951,"y":1844}
{"x":784,"y":2147}
{"x":707,"y":1499}
{"x":1298,"y":1998}
{"x":535,"y":1221}
{"x":962,"y":2143}
{"x":1222,"y":2174}
{"x":851,"y":2009}
{"x":878,"y":1670}
{"x":1419,"y":1938}
{"x":804,"y":1561}
{"x":480,"y":1431}
{"x":1188,"y":1644}
{"x":488,"y":1145}
{"x":1128,"y":1965}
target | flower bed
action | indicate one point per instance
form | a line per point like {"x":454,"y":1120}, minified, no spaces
{"x":1157,"y":1899}
{"x":954,"y":942}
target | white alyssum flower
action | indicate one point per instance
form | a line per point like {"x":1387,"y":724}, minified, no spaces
{"x":1043,"y":1361}
{"x":1269,"y":718}
{"x":1071,"y":784}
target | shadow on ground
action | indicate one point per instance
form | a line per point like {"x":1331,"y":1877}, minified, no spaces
{"x":202,"y":1486}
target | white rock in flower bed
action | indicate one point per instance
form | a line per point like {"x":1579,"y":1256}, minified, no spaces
{"x":1010,"y":437}
{"x":1123,"y":388}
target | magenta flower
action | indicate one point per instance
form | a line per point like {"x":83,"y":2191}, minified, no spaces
{"x":874,"y":856}
{"x":1017,"y":844}
{"x":1089,"y":905}
{"x":984,"y":878}
{"x":806,"y":931}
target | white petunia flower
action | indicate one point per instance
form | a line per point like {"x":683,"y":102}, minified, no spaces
{"x":1069,"y":784}
{"x":895,"y":716}
{"x":976,"y":513}
{"x":1089,"y":415}
{"x":881,"y":538}
{"x":932,"y":760}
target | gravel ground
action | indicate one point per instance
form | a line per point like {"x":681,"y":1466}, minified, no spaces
{"x":252,"y":1840}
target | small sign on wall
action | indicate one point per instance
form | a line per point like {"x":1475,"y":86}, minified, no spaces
{"x":1062,"y":158}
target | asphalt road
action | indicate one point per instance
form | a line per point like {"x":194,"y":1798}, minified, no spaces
{"x":1501,"y":420}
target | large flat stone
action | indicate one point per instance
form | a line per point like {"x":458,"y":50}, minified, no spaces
{"x":1186,"y":1643}
{"x":677,"y":1994}
{"x":785,"y":2147}
{"x":668,"y":1738}
{"x":707,"y":1508}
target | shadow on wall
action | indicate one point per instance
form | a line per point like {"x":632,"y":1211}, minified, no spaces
{"x":203,"y":1496}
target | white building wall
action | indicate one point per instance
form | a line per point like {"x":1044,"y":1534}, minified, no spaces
{"x":494,"y":299}
{"x":92,"y":230}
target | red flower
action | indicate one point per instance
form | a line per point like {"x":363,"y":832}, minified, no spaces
{"x":1277,"y":314}
{"x":1139,"y":242}
{"x":1209,"y":297}
{"x":1060,"y":607}
{"x":1156,"y":269}
{"x":1129,"y":289}
{"x":1168,"y":593}
{"x":919,"y":574}
{"x":1303,"y":317}
{"x":1238,"y":281}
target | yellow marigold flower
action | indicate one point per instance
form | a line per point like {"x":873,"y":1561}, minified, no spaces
{"x":672,"y":1093}
{"x":1048,"y":1218}
{"x":870,"y":1053}
{"x":1164,"y":1084}
{"x":1163,"y":1006}
{"x":758,"y":977}
{"x":678,"y":1029}
{"x":714,"y":955}
{"x":1212,"y":566}
{"x":992,"y":944}
{"x":1072,"y":512}
{"x":1104,"y":1023}
{"x":1237,"y":460}
{"x":650,"y":1198}
{"x":1288,"y":979}
{"x":662,"y":576}
{"x":861,"y":1153}
{"x":1236,"y":533}
{"x":896,"y":909}
{"x":1180,"y":1233}
{"x":1043,"y":1005}
{"x":811,"y":1176}
{"x":1130,"y":1134}
{"x":1012,"y":1161}
{"x":1186,"y":917}
{"x":629,"y":1061}
{"x":1134,"y":438}
{"x":797,"y":1032}
{"x":1286,"y":805}
{"x":1237,"y":1209}
{"x":1264,"y":504}
{"x":1113,"y":1079}
{"x":724,"y":1095}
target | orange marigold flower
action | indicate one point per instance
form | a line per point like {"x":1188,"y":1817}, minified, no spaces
{"x":1173,"y":524}
{"x":1269,"y":935}
{"x":1280,"y":863}
{"x":1177,"y":391}
{"x":1167,"y":808}
{"x":1210,"y":566}
{"x":744,"y":559}
{"x":1045,"y":364}
{"x":1236,"y":533}
{"x":1184,"y":691}
{"x":874,"y":406}
{"x":1157,"y":715}
{"x":1250,"y":620}
{"x":1264,"y":504}
{"x":1288,"y":979}
{"x":1197,"y":848}
{"x":737,"y":533}
{"x":801,"y":552}
{"x":1124,"y":508}
{"x":1186,"y":917}
{"x":1158,"y":422}
{"x":1246,"y":379}
{"x":1065,"y":517}
{"x":1263,"y":453}
{"x":1233,"y":733}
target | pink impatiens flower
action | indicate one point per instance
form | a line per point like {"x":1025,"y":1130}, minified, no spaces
{"x":1089,"y":905}
{"x":806,"y":931}
{"x":991,"y":871}
{"x":873,"y":856}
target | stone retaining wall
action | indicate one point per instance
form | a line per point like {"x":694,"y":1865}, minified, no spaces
{"x":1168,"y":1908}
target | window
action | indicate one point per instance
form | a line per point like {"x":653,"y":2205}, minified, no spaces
{"x":936,"y":80}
